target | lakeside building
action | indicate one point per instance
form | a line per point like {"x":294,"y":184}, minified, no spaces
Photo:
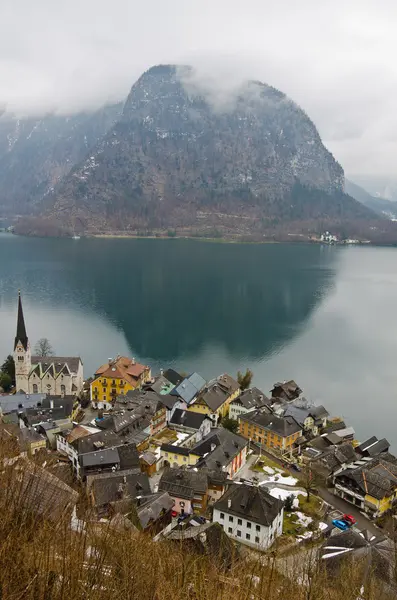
{"x":117,"y":377}
{"x":267,"y":429}
{"x":215,"y":398}
{"x":58,"y":375}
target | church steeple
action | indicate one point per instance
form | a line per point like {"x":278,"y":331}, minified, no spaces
{"x":21,"y":329}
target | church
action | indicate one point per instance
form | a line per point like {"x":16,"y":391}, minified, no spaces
{"x":55,"y":375}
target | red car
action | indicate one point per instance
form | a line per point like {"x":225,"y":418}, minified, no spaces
{"x":349,"y":519}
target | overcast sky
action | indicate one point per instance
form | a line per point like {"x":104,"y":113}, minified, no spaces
{"x":337,"y":59}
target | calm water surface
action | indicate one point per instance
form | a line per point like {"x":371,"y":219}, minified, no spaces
{"x":325,"y":316}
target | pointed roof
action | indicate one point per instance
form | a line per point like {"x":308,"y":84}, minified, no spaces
{"x":21,"y":329}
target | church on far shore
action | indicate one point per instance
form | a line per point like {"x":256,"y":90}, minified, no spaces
{"x":55,"y":375}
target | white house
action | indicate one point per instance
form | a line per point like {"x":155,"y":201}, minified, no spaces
{"x":53,"y":375}
{"x":250,"y":515}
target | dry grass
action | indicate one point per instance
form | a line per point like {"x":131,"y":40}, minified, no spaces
{"x":43,"y":559}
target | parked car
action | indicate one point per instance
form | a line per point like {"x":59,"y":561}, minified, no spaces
{"x":340,"y":524}
{"x":349,"y":519}
{"x":296,"y":467}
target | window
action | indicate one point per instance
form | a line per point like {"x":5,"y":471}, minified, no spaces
{"x":104,"y":390}
{"x":238,"y":533}
{"x":258,"y":527}
{"x":256,"y":540}
{"x":104,"y":397}
{"x":35,"y":388}
{"x":248,"y":525}
{"x":20,"y":358}
{"x":63,"y":389}
{"x":230,"y":530}
{"x":230,"y":519}
{"x":239,"y":522}
{"x":247,"y":536}
{"x":48,"y":387}
{"x":222,"y":515}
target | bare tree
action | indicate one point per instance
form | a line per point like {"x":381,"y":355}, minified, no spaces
{"x":44,"y":348}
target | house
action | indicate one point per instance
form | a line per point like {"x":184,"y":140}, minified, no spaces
{"x":40,"y":374}
{"x":197,"y":425}
{"x":250,"y":515}
{"x":188,"y":489}
{"x":189,"y":388}
{"x":51,"y":429}
{"x":177,"y":456}
{"x":65,"y":438}
{"x":164,"y":410}
{"x":117,"y":377}
{"x":373,"y":554}
{"x":207,"y":539}
{"x":373,"y":447}
{"x":248,"y":400}
{"x":110,"y":493}
{"x":311,"y":418}
{"x":102,"y":451}
{"x":218,"y":483}
{"x":154,"y":512}
{"x":287,"y":391}
{"x":215,"y":398}
{"x":333,"y":458}
{"x":221,"y":450}
{"x":345,"y":434}
{"x":161,"y":385}
{"x":271,"y":431}
{"x":149,"y":462}
{"x":32,"y":441}
{"x":172,"y":376}
{"x":369,"y":483}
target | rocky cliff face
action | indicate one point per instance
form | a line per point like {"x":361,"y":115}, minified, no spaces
{"x":175,"y":158}
{"x":35,"y":154}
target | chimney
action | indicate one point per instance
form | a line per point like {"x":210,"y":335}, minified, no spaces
{"x":133,"y":360}
{"x":161,"y":371}
{"x":229,"y":503}
{"x":110,"y":360}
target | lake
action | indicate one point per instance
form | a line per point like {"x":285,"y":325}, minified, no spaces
{"x":325,"y":316}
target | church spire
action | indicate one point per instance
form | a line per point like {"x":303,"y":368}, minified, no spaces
{"x":21,"y":329}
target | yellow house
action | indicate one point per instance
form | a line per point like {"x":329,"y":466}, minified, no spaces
{"x":32,"y":441}
{"x":372,"y":486}
{"x":216,"y":397}
{"x":117,"y":377}
{"x":176,"y":456}
{"x":265,"y":428}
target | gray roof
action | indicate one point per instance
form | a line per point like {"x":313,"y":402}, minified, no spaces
{"x":182,"y":483}
{"x":152,"y":507}
{"x":298,"y":413}
{"x":109,"y":456}
{"x":189,"y":387}
{"x":335,"y":456}
{"x":20,"y":401}
{"x":283,"y":426}
{"x":187,"y":418}
{"x":58,"y":362}
{"x":318,"y":412}
{"x":52,"y":408}
{"x":218,"y":391}
{"x":172,"y":376}
{"x":175,"y":449}
{"x":252,"y":398}
{"x":377,"y":551}
{"x":92,"y":443}
{"x":119,"y":486}
{"x":375,"y":477}
{"x":227,"y":446}
{"x":250,"y":502}
{"x":129,"y":456}
{"x":148,"y":457}
{"x":373,"y":446}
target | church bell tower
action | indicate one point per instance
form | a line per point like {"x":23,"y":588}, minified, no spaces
{"x":22,"y":354}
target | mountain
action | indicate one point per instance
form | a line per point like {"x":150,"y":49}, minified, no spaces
{"x":35,"y":154}
{"x":176,"y":159}
{"x":381,"y":206}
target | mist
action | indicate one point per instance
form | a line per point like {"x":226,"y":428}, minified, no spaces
{"x":335,"y":59}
